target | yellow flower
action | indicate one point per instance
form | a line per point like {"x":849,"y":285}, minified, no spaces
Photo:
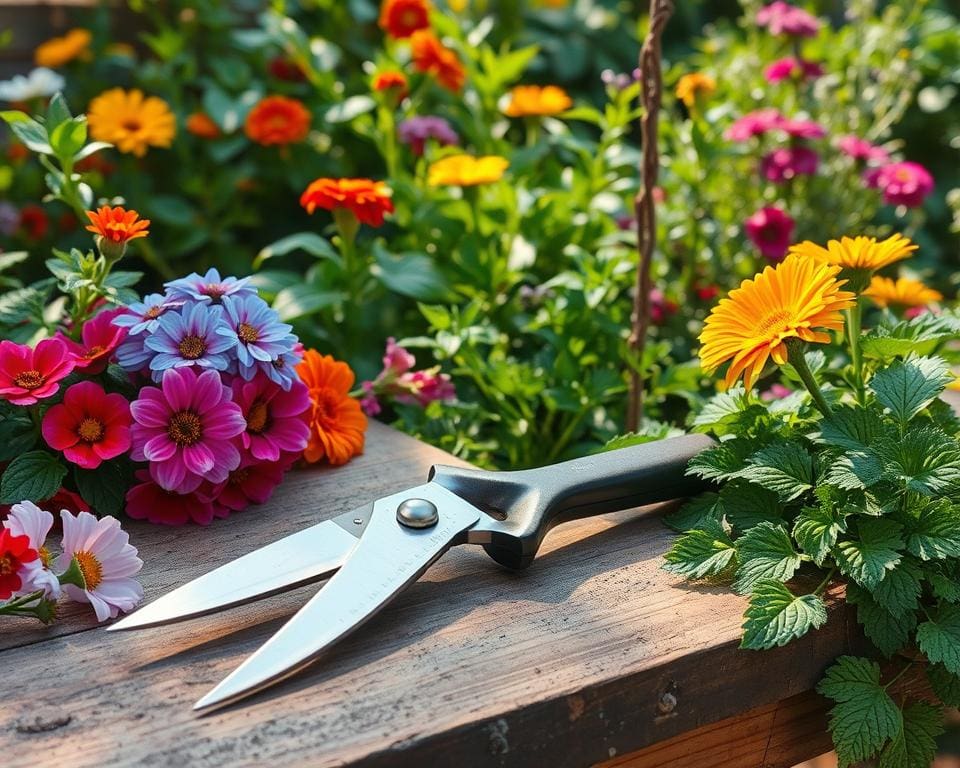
{"x":790,"y":301}
{"x":694,"y":85}
{"x":534,"y":100}
{"x":903,"y":292}
{"x":860,"y":253}
{"x":61,"y":50}
{"x":466,"y":170}
{"x":131,"y":121}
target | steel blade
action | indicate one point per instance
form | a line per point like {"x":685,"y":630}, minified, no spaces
{"x":301,"y":558}
{"x":389,"y":557}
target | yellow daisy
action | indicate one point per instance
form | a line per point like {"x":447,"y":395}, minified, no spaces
{"x":131,"y":121}
{"x":861,"y":253}
{"x":798,"y":299}
{"x":903,"y":292}
{"x":62,"y":50}
{"x":537,"y":101}
{"x":694,"y":85}
{"x":466,"y":170}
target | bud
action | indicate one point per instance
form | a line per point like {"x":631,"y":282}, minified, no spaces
{"x":73,"y":575}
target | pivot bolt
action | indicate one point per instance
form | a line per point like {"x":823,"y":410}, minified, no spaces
{"x":417,"y":513}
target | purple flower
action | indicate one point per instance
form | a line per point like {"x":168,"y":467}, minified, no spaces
{"x":210,"y":288}
{"x":802,"y":129}
{"x":256,"y":332}
{"x":190,"y":338}
{"x":781,"y":18}
{"x":861,"y":149}
{"x":754,"y":124}
{"x":145,"y":315}
{"x":132,"y":355}
{"x":903,"y":183}
{"x":415,"y":131}
{"x":9,"y":218}
{"x":771,"y":230}
{"x":791,"y":68}
{"x":787,"y":162}
{"x":283,"y":370}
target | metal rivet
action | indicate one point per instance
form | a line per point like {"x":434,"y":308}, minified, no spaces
{"x":358,"y":521}
{"x":417,"y":513}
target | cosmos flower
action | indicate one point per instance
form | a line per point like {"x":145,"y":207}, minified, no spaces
{"x":89,"y":426}
{"x":210,"y":287}
{"x":190,"y":337}
{"x":275,"y":418}
{"x":253,"y":482}
{"x":415,"y":131}
{"x":149,"y":501}
{"x":27,"y":519}
{"x":131,"y":121}
{"x":771,"y":230}
{"x":28,"y":375}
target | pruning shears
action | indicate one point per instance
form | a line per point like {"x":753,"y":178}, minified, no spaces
{"x":377,"y":550}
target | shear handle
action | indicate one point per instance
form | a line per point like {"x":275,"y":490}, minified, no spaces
{"x":527,"y":503}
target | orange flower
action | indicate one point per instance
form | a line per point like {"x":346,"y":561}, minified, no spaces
{"x":390,"y":81}
{"x":533,"y":100}
{"x":202,"y":125}
{"x":61,"y":50}
{"x":131,"y":120}
{"x":117,"y":225}
{"x":368,"y":200}
{"x":902,"y":292}
{"x":277,"y":120}
{"x":693,"y":86}
{"x":336,"y":421}
{"x":401,"y":18}
{"x":434,"y":58}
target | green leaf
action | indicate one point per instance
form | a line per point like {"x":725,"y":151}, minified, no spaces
{"x":935,"y":533}
{"x":853,"y":429}
{"x":346,"y":110}
{"x":707,"y":551}
{"x":816,"y":530}
{"x":907,"y":387}
{"x":410,"y":274}
{"x":745,"y":504}
{"x":29,"y":131}
{"x":921,"y":336}
{"x":775,"y":616}
{"x":784,"y":467}
{"x":57,"y":111}
{"x":304,"y":299}
{"x":121,"y":279}
{"x":854,"y":470}
{"x":104,"y":488}
{"x":925,"y":460}
{"x":765,"y":552}
{"x":723,"y":461}
{"x":939,"y":638}
{"x":944,"y":581}
{"x":868,"y":558}
{"x":944,"y":684}
{"x":899,"y":590}
{"x":727,"y":412}
{"x":90,"y":149}
{"x":695,"y":512}
{"x":886,"y":631}
{"x":915,"y":745}
{"x":310,"y":242}
{"x":69,"y":137}
{"x":22,"y":304}
{"x":865,"y":716}
{"x":12,"y":258}
{"x":32,"y":476}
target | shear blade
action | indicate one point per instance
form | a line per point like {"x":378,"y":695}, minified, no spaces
{"x":388,"y":557}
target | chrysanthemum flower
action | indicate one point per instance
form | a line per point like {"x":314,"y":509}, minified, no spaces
{"x":117,"y":224}
{"x":186,"y":429}
{"x":754,"y":124}
{"x":209,"y":288}
{"x":337,"y":423}
{"x":401,"y":18}
{"x":432,"y":57}
{"x":781,"y":18}
{"x":391,"y":81}
{"x":792,"y":68}
{"x":537,"y":101}
{"x":58,"y":51}
{"x":275,"y":418}
{"x":100,"y":337}
{"x":252,"y":482}
{"x":902,"y":293}
{"x":861,"y":149}
{"x":107,"y":561}
{"x":89,"y":426}
{"x":771,"y":230}
{"x":466,"y":170}
{"x":858,"y":253}
{"x":787,"y":163}
{"x":798,"y":299}
{"x":190,"y":337}
{"x":148,"y":501}
{"x":693,"y":86}
{"x":902,"y":183}
{"x":277,"y":120}
{"x":28,"y":375}
{"x":255,"y":331}
{"x":368,"y":200}
{"x":27,"y":519}
{"x":15,"y":555}
{"x":131,"y":121}
{"x":415,"y":131}
{"x":144,"y":315}
{"x":201,"y":125}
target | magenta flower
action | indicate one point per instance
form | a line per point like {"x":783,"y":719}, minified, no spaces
{"x":792,"y":68}
{"x":861,"y":149}
{"x":771,"y":230}
{"x":274,"y":417}
{"x":250,"y":483}
{"x":28,"y":375}
{"x":424,"y":387}
{"x":369,"y":402}
{"x":186,"y":428}
{"x":396,"y":359}
{"x":754,"y":124}
{"x":100,"y":337}
{"x":776,"y":392}
{"x":903,"y":183}
{"x":416,"y":131}
{"x":787,"y":163}
{"x":802,"y":129}
{"x":781,"y":18}
{"x":148,"y":501}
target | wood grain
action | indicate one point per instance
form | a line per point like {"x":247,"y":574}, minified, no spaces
{"x":565,"y":664}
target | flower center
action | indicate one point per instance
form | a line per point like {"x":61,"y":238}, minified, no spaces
{"x":153,"y":313}
{"x":773,"y":321}
{"x":238,"y":476}
{"x":6,"y":565}
{"x":185,"y":428}
{"x":258,"y":417}
{"x":902,"y":175}
{"x":90,"y":430}
{"x":93,"y":351}
{"x":247,"y":333}
{"x":45,"y":557}
{"x":91,"y":569}
{"x":132,"y":125}
{"x":324,"y":406}
{"x":28,"y":379}
{"x":192,"y":347}
{"x":215,"y":291}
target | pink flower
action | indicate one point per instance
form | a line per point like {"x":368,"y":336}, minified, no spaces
{"x":250,"y":483}
{"x":89,"y":426}
{"x":754,"y":124}
{"x":148,"y":501}
{"x":100,"y":339}
{"x":861,"y":149}
{"x":185,"y":429}
{"x":661,"y":308}
{"x":781,"y":18}
{"x":28,"y":375}
{"x":369,"y":402}
{"x":776,"y":392}
{"x":771,"y":230}
{"x":788,"y":162}
{"x":802,"y":129}
{"x":275,"y":420}
{"x":107,"y":561}
{"x":27,"y":519}
{"x":397,"y":359}
{"x":792,"y":68}
{"x":903,"y":183}
{"x":423,"y":387}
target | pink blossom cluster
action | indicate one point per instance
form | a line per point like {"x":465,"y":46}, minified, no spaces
{"x":399,"y":382}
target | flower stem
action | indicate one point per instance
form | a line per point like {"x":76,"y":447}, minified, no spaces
{"x":826,"y":581}
{"x":799,"y":363}
{"x":16,"y":607}
{"x":898,"y":675}
{"x":854,"y":315}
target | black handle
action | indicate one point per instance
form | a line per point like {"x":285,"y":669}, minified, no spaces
{"x":530,"y":502}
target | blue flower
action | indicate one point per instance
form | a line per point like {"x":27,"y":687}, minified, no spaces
{"x":132,"y":355}
{"x":145,"y":315}
{"x":257,"y":332}
{"x":190,"y":337}
{"x":283,"y":371}
{"x":209,"y":288}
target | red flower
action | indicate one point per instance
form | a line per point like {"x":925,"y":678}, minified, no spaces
{"x":15,"y":552}
{"x":432,"y":57}
{"x":28,"y":375}
{"x":100,"y":339}
{"x":368,"y":200}
{"x":250,"y":483}
{"x":283,"y":68}
{"x":771,"y":230}
{"x":89,"y":426}
{"x":148,"y":501}
{"x":401,"y":18}
{"x":277,"y":120}
{"x":34,"y":222}
{"x":393,"y":81}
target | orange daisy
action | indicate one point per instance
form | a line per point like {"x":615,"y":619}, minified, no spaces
{"x":401,"y":18}
{"x":202,"y":125}
{"x":432,"y":57}
{"x":693,"y":86}
{"x":337,"y":423}
{"x":534,"y":100}
{"x":277,"y":120}
{"x":117,"y":225}
{"x":368,"y":200}
{"x":903,"y":292}
{"x":861,"y":253}
{"x":62,"y":50}
{"x":132,"y":121}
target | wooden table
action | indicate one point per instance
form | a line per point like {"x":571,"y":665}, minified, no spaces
{"x":594,"y":654}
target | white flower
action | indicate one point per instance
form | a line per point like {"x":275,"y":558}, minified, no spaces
{"x":27,"y":519}
{"x":107,"y":560}
{"x":40,"y":83}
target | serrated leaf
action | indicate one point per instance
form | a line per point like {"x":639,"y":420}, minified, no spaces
{"x":765,"y":552}
{"x":935,"y":532}
{"x":899,"y":590}
{"x":816,"y":530}
{"x":884,"y":630}
{"x":104,"y":488}
{"x":939,"y":638}
{"x":907,"y":387}
{"x":925,"y":460}
{"x":32,"y":476}
{"x":775,"y":616}
{"x":921,"y":335}
{"x":692,"y":515}
{"x":867,"y":558}
{"x":853,"y":429}
{"x":745,"y":504}
{"x":17,"y":435}
{"x":707,"y":551}
{"x":944,"y":581}
{"x":944,"y":684}
{"x":915,"y":745}
{"x":730,"y":412}
{"x":785,"y":468}
{"x":855,"y":470}
{"x":722,"y":461}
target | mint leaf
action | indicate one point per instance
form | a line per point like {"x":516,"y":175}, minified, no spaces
{"x":868,"y":558}
{"x":886,"y":631}
{"x":865,"y":716}
{"x":707,"y":551}
{"x":745,"y":504}
{"x":916,"y":743}
{"x":899,"y":591}
{"x":944,"y":684}
{"x":907,"y":388}
{"x":935,"y":533}
{"x":853,"y":429}
{"x":765,"y":552}
{"x":784,"y":467}
{"x":692,"y":515}
{"x":722,"y":461}
{"x":925,"y":460}
{"x":816,"y":530}
{"x":775,"y":616}
{"x":32,"y":476}
{"x":939,"y":638}
{"x":729,"y":412}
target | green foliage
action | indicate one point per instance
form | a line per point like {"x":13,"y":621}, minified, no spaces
{"x":32,"y":476}
{"x":775,"y":616}
{"x":706,"y":551}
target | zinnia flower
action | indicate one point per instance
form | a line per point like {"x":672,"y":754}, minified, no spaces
{"x":799,"y":298}
{"x":415,"y":131}
{"x":781,"y":18}
{"x":694,"y":86}
{"x":15,"y":555}
{"x":148,"y":501}
{"x":275,"y":418}
{"x":401,"y":18}
{"x":250,"y":483}
{"x":754,"y":124}
{"x":41,"y":83}
{"x":190,"y":337}
{"x":904,"y":293}
{"x":792,"y":68}
{"x":89,"y":426}
{"x":771,"y":230}
{"x":432,"y":57}
{"x":186,"y":428}
{"x":27,"y":519}
{"x":861,"y":149}
{"x":391,"y":81}
{"x":117,"y":225}
{"x":28,"y":375}
{"x":58,"y":51}
{"x":802,"y":129}
{"x":107,"y":561}
{"x":131,"y":121}
{"x":787,"y":163}
{"x":466,"y":170}
{"x":255,"y":332}
{"x":277,"y":120}
{"x":200,"y":124}
{"x":368,"y":200}
{"x":336,"y":421}
{"x":209,"y":288}
{"x":100,"y":337}
{"x":537,"y":101}
{"x":902,"y":183}
{"x":858,"y":253}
